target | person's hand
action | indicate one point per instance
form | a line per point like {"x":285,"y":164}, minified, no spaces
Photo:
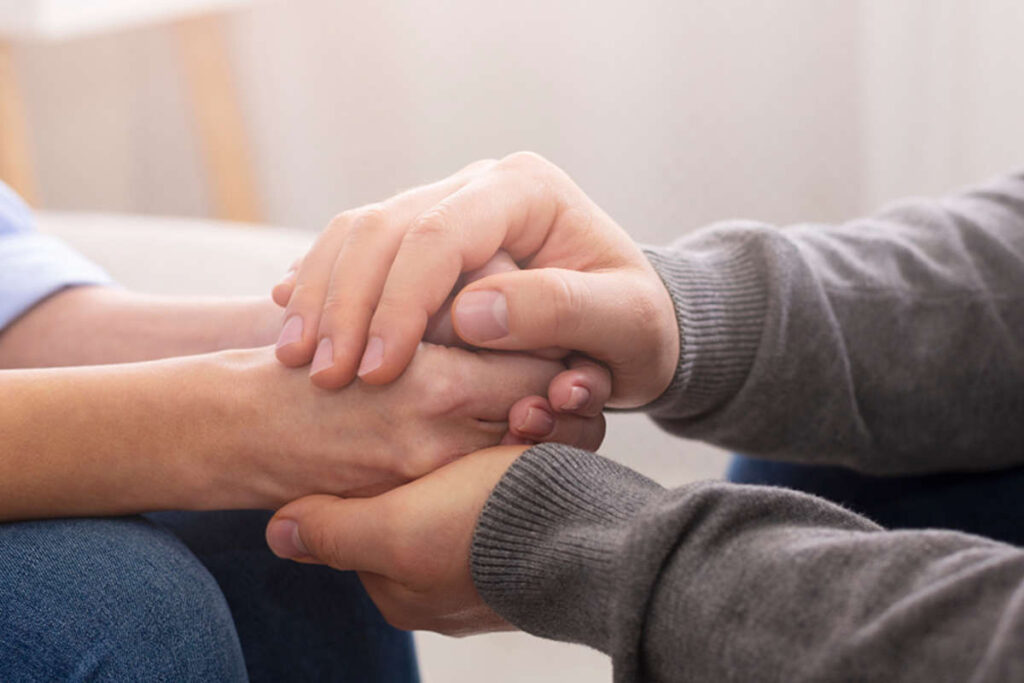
{"x":410,"y":545}
{"x":287,"y":438}
{"x":364,"y":294}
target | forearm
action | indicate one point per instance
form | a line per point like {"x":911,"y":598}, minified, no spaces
{"x":118,"y":439}
{"x":99,"y":325}
{"x":724,"y":582}
{"x":892,"y":344}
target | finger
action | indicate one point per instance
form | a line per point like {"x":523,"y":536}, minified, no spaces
{"x":603,"y":315}
{"x":439,"y":327}
{"x":583,"y":389}
{"x":301,"y":333}
{"x":533,"y":419}
{"x":347,"y":534}
{"x":282,"y":291}
{"x":501,"y":262}
{"x":297,"y":339}
{"x":459,"y":234}
{"x":353,"y":290}
{"x":357,"y":279}
{"x":491,"y":383}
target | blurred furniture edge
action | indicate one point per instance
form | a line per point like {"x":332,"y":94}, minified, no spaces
{"x":216,"y":113}
{"x":180,"y":256}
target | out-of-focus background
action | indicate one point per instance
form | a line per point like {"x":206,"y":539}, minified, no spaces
{"x":670,"y":114}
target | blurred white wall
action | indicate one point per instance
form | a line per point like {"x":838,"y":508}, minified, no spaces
{"x":670,"y":114}
{"x":942,"y":95}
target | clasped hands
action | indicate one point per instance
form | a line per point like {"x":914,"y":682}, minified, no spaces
{"x":505,"y":255}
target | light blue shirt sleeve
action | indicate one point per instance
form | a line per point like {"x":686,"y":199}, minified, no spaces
{"x":34,"y":266}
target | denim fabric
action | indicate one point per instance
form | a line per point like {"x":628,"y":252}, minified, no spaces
{"x":296,"y":622}
{"x":989,"y":504}
{"x":127,"y":600}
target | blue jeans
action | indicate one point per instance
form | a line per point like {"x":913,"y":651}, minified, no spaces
{"x":182,"y":596}
{"x":988,"y":504}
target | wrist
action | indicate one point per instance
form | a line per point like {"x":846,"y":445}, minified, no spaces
{"x":224,"y":410}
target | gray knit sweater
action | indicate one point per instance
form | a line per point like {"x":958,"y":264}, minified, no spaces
{"x":893,"y":344}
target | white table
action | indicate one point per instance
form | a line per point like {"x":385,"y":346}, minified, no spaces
{"x":206,"y":65}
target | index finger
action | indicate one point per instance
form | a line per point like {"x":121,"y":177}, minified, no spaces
{"x":502,"y":209}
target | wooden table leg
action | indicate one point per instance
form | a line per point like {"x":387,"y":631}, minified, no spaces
{"x":218,"y":118}
{"x":15,"y":157}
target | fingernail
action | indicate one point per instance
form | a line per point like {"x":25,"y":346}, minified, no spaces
{"x":324,"y":356}
{"x":482,"y":316}
{"x":538,"y":422}
{"x":372,"y":357}
{"x":578,"y":397}
{"x":291,"y":332}
{"x":283,"y":538}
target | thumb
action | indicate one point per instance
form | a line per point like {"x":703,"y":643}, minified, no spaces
{"x":596,"y":313}
{"x":342,"y":533}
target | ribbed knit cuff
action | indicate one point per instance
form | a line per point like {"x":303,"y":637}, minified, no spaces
{"x":548,"y":540}
{"x":720,"y":299}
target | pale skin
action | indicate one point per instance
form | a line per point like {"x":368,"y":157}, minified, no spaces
{"x":584,"y":288}
{"x":98,"y":325}
{"x":219,"y":429}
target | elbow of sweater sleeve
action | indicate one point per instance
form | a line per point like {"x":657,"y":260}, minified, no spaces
{"x":717,"y":283}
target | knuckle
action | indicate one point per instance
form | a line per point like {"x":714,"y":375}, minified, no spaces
{"x":340,"y":221}
{"x":478,"y":166}
{"x":525,"y":160}
{"x":368,"y":221}
{"x":646,"y":314}
{"x":441,"y":389}
{"x":361,"y":221}
{"x":443,"y":376}
{"x":420,"y":458}
{"x":431,"y":226}
{"x":568,"y":302}
{"x":409,"y":465}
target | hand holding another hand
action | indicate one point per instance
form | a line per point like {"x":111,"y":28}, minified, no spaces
{"x":410,"y":546}
{"x":360,"y":301}
{"x":289,"y":438}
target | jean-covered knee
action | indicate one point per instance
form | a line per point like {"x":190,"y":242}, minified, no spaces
{"x":109,"y":599}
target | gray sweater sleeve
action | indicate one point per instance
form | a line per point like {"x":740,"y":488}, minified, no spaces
{"x":719,"y":582}
{"x":891,"y":344}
